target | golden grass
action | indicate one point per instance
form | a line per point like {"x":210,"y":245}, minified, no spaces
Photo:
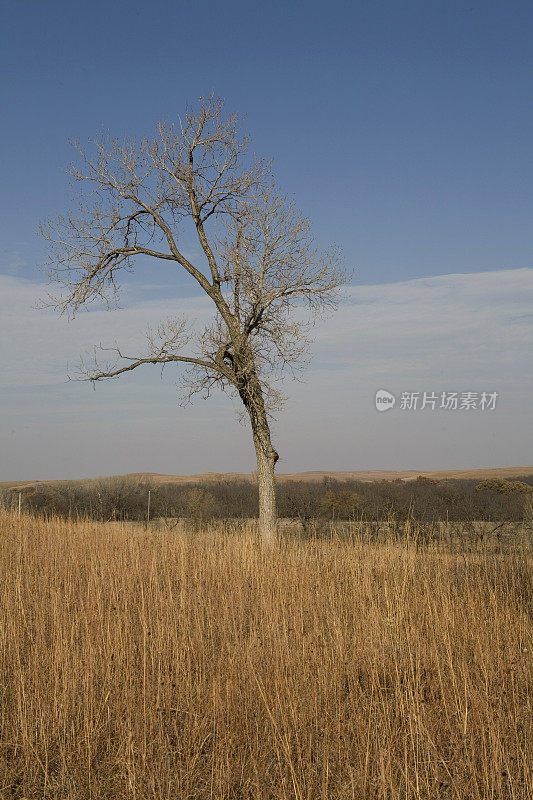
{"x":159,"y":665}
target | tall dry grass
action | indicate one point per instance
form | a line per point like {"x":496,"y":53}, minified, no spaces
{"x":141,"y":664}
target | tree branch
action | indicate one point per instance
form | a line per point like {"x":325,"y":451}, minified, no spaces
{"x":159,"y":360}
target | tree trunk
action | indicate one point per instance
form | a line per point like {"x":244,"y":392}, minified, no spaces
{"x":266,"y":462}
{"x":251,"y":393}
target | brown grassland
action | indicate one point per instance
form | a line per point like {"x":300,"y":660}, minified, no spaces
{"x":160,"y":664}
{"x":313,"y":476}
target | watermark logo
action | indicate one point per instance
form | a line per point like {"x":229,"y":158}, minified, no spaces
{"x":432,"y":401}
{"x":384,"y":400}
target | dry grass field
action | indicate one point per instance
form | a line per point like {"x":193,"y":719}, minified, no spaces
{"x":158,"y":664}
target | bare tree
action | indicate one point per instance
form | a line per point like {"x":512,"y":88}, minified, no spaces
{"x":259,"y":262}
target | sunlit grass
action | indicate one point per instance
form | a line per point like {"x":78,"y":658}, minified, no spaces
{"x":161,"y":664}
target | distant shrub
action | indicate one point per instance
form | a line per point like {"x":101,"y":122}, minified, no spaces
{"x":200,"y":506}
{"x":342,"y":504}
{"x":504,"y":487}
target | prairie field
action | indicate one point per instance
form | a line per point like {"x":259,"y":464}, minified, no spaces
{"x":165,"y":664}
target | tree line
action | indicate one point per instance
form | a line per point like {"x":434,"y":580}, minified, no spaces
{"x":422,"y":500}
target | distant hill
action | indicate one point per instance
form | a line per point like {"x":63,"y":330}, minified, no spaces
{"x":313,"y":475}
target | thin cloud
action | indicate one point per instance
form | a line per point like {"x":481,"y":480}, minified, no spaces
{"x":454,"y":332}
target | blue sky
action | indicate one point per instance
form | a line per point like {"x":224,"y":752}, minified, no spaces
{"x":404,"y":129}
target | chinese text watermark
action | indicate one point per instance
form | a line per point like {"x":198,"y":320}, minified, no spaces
{"x":432,"y":401}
